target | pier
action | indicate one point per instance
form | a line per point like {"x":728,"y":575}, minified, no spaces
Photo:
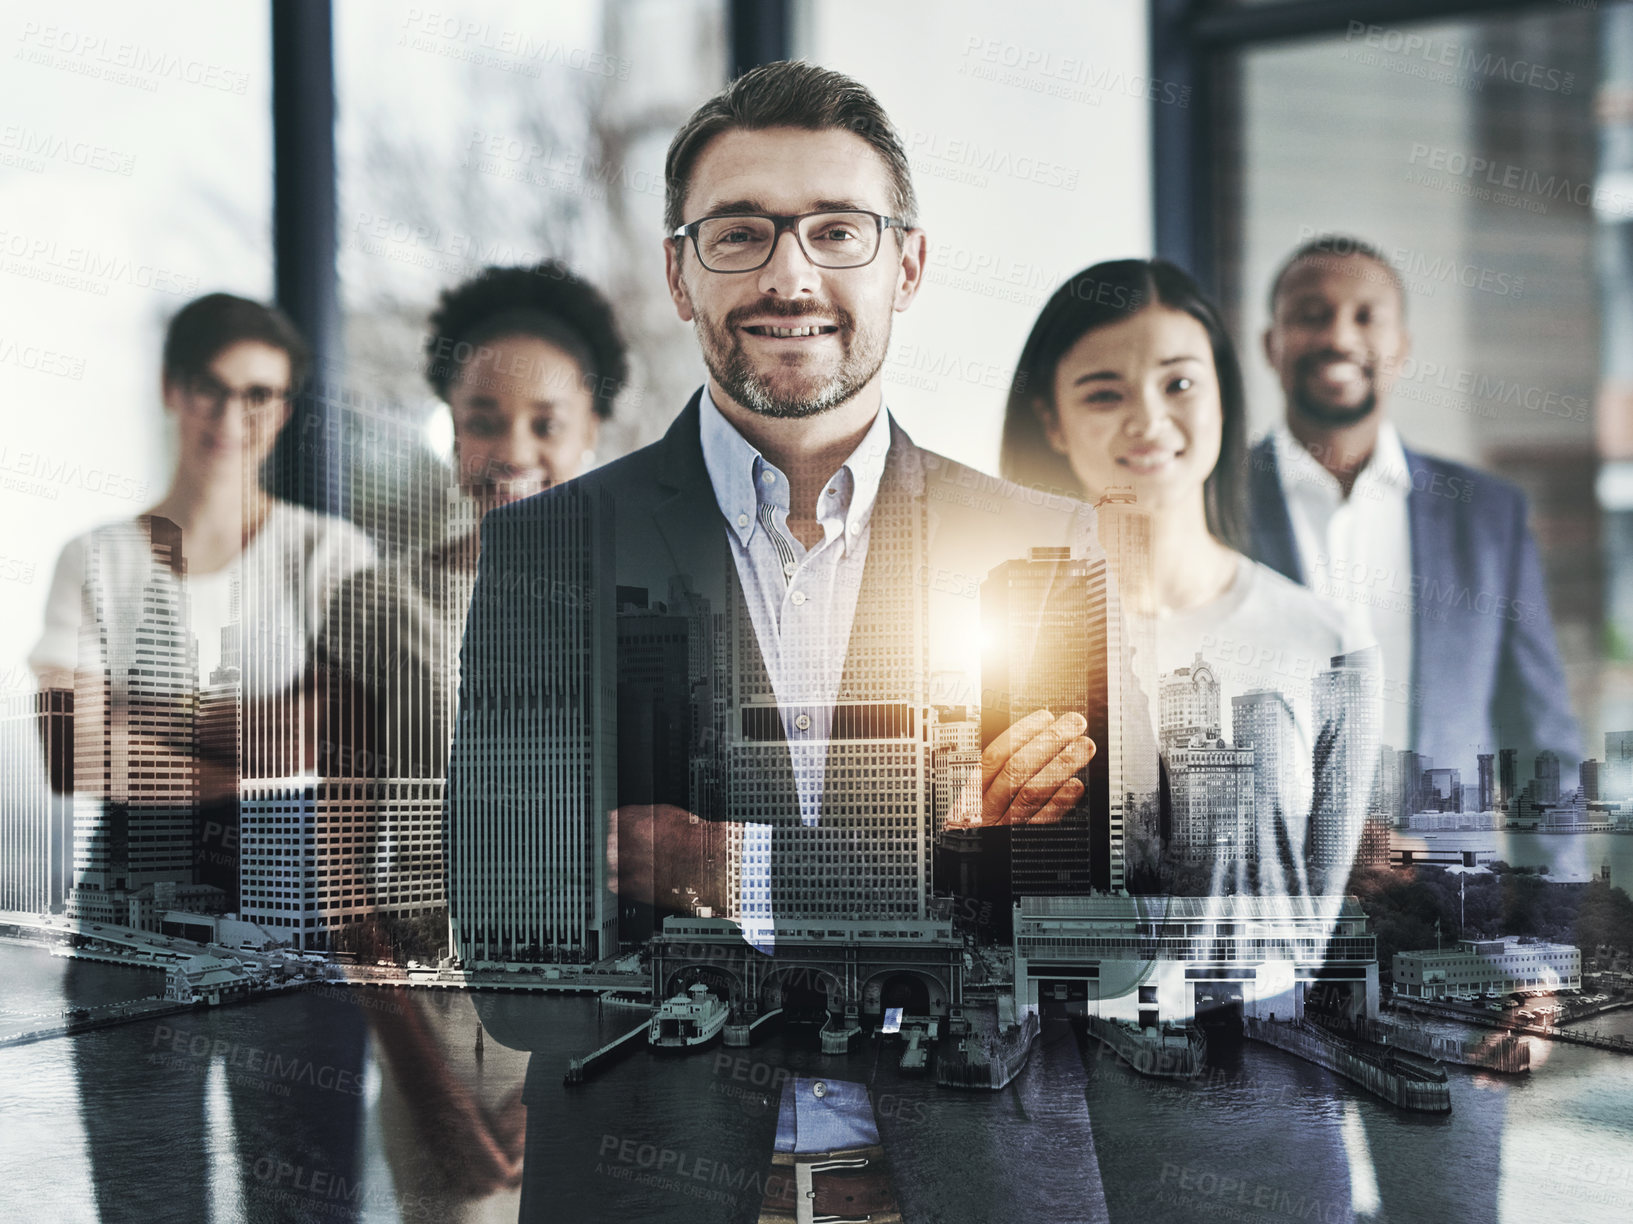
{"x":1161,"y":1056}
{"x":1381,"y":1071}
{"x":579,"y":1069}
{"x":988,"y":1063}
{"x":1549,"y":1032}
{"x":739,"y":1036}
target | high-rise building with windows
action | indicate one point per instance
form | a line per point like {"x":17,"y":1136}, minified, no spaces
{"x":1487,"y":784}
{"x":1190,"y":707}
{"x":528,"y":824}
{"x":1345,"y":701}
{"x":135,"y":724}
{"x":1547,"y":776}
{"x":36,"y":800}
{"x":1051,"y":644}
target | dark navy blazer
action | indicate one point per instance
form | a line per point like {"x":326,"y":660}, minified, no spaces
{"x":1485,"y":667}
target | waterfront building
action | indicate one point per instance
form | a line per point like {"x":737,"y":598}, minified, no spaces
{"x":1154,"y":960}
{"x":1503,"y":965}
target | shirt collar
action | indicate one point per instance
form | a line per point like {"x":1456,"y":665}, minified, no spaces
{"x":1385,"y":472}
{"x":738,"y":471}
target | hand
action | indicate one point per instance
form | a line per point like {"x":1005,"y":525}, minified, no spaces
{"x":1027,"y":773}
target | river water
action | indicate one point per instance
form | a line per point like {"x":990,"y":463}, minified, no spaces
{"x":372,"y":1105}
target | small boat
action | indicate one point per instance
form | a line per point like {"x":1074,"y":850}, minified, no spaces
{"x":693,"y":1018}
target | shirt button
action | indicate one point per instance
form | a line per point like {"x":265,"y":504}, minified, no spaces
{"x":803,"y":722}
{"x":742,"y":520}
{"x":769,"y":477}
{"x":789,"y":568}
{"x":799,"y":598}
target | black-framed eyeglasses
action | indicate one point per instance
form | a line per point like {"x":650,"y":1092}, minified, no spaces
{"x":743,"y":242}
{"x":210,"y":393}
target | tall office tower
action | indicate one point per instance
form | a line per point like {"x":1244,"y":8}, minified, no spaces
{"x":1262,"y":720}
{"x":664,"y":652}
{"x":1053,"y":641}
{"x":36,"y":800}
{"x":1189,"y":704}
{"x":1618,"y":775}
{"x":1386,"y":787}
{"x":528,"y":822}
{"x":1211,"y":789}
{"x":216,"y":825}
{"x":1414,"y":769}
{"x":1124,"y":531}
{"x":1590,"y":777}
{"x":1508,"y":783}
{"x":351,"y":828}
{"x":1443,"y":790}
{"x":1345,"y":701}
{"x":861,"y":851}
{"x":135,"y":722}
{"x":1547,"y":776}
{"x":1487,"y":796}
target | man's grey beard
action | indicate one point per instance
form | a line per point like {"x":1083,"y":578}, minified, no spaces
{"x":724,"y":356}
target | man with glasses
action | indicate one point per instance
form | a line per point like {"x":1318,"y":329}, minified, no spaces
{"x":811,"y":566}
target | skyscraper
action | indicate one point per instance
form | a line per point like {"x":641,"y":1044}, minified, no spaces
{"x":1262,"y":720}
{"x":1443,"y":790}
{"x":1049,"y":646}
{"x":1617,"y":782}
{"x":1345,"y":701}
{"x":1508,"y":784}
{"x":545,"y":787}
{"x":36,"y":800}
{"x":1487,"y":783}
{"x":1547,"y":776}
{"x":1414,"y":769}
{"x":1590,"y":775}
{"x":135,"y":726}
{"x":1124,"y":531}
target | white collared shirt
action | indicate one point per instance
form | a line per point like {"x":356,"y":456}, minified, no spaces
{"x":1357,"y":555}
{"x":801,"y":602}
